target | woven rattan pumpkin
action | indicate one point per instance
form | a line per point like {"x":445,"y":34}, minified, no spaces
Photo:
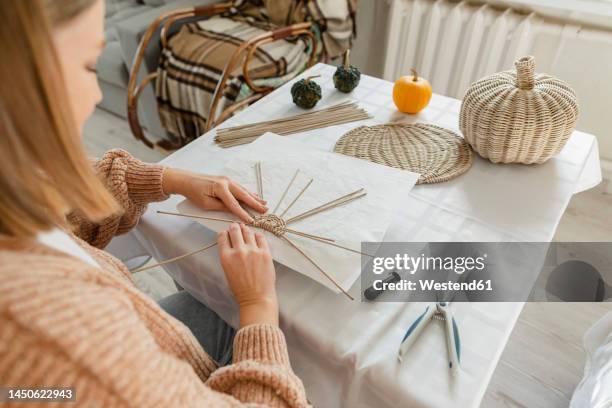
{"x":518,"y":117}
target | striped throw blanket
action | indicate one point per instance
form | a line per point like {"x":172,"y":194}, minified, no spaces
{"x":192,"y":63}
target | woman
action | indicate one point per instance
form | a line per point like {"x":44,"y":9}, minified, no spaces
{"x":70,"y":315}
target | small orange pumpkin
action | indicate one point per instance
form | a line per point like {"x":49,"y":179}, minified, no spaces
{"x":411,"y":94}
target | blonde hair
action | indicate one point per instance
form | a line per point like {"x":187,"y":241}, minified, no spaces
{"x":44,"y":170}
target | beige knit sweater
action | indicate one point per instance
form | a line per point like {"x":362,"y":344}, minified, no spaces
{"x":64,"y":323}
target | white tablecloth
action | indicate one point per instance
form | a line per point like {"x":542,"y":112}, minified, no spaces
{"x":346,"y":352}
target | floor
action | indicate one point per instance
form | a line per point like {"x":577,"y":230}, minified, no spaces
{"x":543,"y":360}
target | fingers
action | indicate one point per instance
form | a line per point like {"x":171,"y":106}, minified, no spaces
{"x":249,"y":199}
{"x":232,"y":204}
{"x":211,"y":203}
{"x":235,"y":234}
{"x":223,"y":241}
{"x":248,"y":236}
{"x":257,"y":197}
{"x":261,"y":241}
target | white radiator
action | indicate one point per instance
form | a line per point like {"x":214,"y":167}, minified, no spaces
{"x":454,"y":43}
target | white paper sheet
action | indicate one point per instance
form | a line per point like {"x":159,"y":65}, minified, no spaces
{"x":334,"y":175}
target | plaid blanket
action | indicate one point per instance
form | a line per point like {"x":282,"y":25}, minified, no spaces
{"x":335,"y":19}
{"x":192,"y":63}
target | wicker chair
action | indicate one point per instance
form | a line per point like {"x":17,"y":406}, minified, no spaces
{"x":242,"y":55}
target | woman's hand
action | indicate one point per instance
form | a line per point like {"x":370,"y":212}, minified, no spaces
{"x":212,"y":192}
{"x":247,"y":262}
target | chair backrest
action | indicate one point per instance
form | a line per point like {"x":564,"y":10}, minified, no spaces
{"x":334,"y":20}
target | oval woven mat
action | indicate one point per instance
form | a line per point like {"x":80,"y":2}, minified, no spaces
{"x":437,"y":154}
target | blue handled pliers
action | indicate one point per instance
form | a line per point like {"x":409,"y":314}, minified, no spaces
{"x":438,"y":311}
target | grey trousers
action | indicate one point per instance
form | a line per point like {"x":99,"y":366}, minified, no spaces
{"x":215,"y":336}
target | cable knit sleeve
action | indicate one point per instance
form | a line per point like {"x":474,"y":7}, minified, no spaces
{"x":89,"y":333}
{"x":134,"y":184}
{"x":260,"y":364}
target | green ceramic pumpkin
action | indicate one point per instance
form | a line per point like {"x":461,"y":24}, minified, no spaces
{"x":306,"y":93}
{"x":346,"y":77}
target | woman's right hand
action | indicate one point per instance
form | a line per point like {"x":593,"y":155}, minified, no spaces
{"x":247,"y":262}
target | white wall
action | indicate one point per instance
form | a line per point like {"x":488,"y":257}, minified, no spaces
{"x":368,"y":52}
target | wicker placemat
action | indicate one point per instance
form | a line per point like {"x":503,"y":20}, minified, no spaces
{"x":437,"y":154}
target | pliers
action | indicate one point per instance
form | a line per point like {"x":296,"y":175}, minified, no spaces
{"x":438,"y":311}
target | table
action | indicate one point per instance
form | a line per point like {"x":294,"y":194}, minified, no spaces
{"x":346,"y":352}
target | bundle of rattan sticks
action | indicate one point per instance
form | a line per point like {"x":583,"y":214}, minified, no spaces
{"x":334,"y":115}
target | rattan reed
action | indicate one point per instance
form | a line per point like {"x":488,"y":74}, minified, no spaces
{"x":344,"y":112}
{"x":437,"y":154}
{"x":518,"y":116}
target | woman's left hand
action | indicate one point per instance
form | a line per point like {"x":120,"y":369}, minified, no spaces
{"x":212,"y":192}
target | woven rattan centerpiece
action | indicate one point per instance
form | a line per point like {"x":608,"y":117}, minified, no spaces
{"x":437,"y":154}
{"x":518,"y":116}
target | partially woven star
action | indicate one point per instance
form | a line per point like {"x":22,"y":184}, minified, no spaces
{"x":278,"y":225}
